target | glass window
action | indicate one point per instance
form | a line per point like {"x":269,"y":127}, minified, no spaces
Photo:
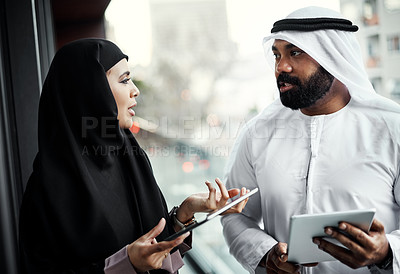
{"x":373,"y":59}
{"x":393,"y":43}
{"x":370,"y":13}
{"x":198,"y":87}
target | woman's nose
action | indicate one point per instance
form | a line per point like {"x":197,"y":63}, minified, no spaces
{"x":135,"y":92}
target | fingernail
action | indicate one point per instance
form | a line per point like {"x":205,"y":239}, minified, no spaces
{"x":342,"y":226}
{"x":328,"y":231}
{"x":316,"y":241}
{"x":184,"y":236}
{"x":282,"y":256}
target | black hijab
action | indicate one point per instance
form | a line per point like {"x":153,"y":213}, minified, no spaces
{"x":92,"y":190}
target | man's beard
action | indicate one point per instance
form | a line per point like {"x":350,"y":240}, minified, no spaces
{"x":305,"y":95}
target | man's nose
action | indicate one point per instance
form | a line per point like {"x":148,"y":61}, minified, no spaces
{"x":283,"y":66}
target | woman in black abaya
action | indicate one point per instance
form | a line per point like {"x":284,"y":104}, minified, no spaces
{"x":92,"y":203}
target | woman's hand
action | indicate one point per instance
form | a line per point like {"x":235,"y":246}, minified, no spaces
{"x":211,"y":201}
{"x":146,"y":253}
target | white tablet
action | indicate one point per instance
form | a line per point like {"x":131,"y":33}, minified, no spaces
{"x":212,"y":215}
{"x":303,"y":228}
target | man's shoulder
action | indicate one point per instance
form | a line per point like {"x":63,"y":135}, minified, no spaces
{"x":381,"y":108}
{"x":383,"y":114}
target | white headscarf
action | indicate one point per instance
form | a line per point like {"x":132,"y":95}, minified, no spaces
{"x":337,"y":51}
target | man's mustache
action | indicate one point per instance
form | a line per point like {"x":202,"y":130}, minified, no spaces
{"x":286,"y":78}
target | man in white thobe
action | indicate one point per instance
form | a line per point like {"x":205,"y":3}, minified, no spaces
{"x":330,"y":143}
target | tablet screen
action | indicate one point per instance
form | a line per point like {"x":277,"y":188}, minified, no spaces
{"x":211,"y":215}
{"x":303,"y":228}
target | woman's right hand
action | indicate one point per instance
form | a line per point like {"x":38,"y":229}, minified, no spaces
{"x":211,"y":201}
{"x":146,"y":253}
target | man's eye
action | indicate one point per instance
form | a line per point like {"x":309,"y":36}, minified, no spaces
{"x":277,"y":55}
{"x":296,"y":52}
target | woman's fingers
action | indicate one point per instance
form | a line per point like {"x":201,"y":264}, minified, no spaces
{"x":212,"y":200}
{"x":217,"y":200}
{"x":167,"y":246}
{"x":242,"y":204}
{"x":146,"y":253}
{"x":233,"y":192}
{"x":222,"y":188}
{"x":239,"y":207}
{"x":155,"y":231}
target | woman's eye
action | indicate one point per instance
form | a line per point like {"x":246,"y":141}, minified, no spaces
{"x":126,"y":80}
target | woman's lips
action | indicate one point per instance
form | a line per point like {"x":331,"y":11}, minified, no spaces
{"x":131,"y":111}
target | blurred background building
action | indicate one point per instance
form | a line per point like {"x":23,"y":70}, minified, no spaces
{"x":202,"y":74}
{"x":379,"y":35}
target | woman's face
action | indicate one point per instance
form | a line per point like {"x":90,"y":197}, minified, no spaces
{"x":124,"y":92}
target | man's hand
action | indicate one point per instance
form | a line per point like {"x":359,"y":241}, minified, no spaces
{"x":276,"y":261}
{"x":363,"y":249}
